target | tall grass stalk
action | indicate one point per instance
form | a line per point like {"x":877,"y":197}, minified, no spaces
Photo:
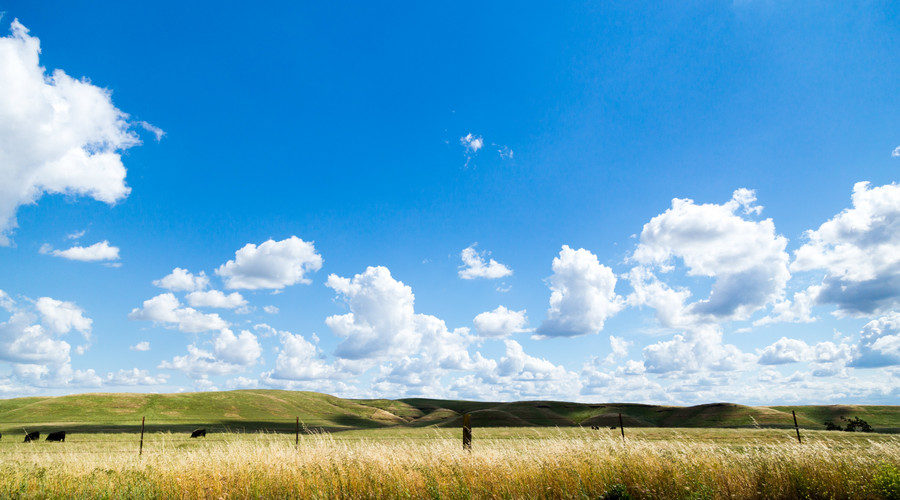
{"x":560,"y":466}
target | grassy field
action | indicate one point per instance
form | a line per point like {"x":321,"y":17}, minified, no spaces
{"x":412,"y":449}
{"x":430,"y":463}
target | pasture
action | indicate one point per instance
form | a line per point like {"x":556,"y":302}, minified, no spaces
{"x":404,"y":462}
{"x":412,"y":448}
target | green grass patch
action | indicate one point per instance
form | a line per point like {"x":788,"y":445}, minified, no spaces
{"x":277,"y":411}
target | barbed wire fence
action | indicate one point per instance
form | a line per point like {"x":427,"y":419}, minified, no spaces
{"x":167,"y":436}
{"x":162,"y":437}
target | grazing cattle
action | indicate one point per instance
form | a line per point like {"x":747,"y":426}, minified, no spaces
{"x":32,"y":436}
{"x":595,"y":427}
{"x":57,"y":436}
{"x":199,"y":433}
{"x":613,"y":427}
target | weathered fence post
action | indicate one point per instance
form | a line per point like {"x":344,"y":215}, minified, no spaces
{"x":796,"y":427}
{"x":622,"y":426}
{"x":297,"y":433}
{"x":141,"y":450}
{"x":467,"y":432}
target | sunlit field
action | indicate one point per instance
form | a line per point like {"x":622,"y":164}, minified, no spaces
{"x":430,"y":463}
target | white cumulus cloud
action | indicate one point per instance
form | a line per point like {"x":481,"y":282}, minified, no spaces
{"x":199,"y":363}
{"x":785,"y":350}
{"x":382,"y":326}
{"x":135,"y":377}
{"x":231,"y":354}
{"x":242,"y":349}
{"x":57,"y":134}
{"x":242,"y":383}
{"x":62,"y":317}
{"x":700,"y":350}
{"x":474,"y":266}
{"x":517,"y":376}
{"x":628,"y":382}
{"x":30,"y":341}
{"x":826,"y":358}
{"x":298,"y":360}
{"x":141,"y":346}
{"x":746,"y":259}
{"x":271,"y":265}
{"x":182,"y":280}
{"x":879,"y":343}
{"x":97,"y":252}
{"x":582,"y":295}
{"x":859,"y":250}
{"x":501,"y":322}
{"x":618,"y":347}
{"x":165,"y":308}
{"x":215,"y":298}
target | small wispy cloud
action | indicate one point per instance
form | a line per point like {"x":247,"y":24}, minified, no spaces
{"x":471,"y":143}
{"x":158,"y":132}
{"x":896,"y":152}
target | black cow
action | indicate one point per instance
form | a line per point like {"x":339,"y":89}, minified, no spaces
{"x":57,"y":436}
{"x":32,"y":436}
{"x":199,"y":433}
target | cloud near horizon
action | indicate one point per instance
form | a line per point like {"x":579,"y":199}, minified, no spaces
{"x":404,"y":352}
{"x":30,"y":340}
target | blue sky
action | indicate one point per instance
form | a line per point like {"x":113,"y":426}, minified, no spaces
{"x":677,"y":203}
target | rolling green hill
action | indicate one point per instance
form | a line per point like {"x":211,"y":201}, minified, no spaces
{"x":277,"y":411}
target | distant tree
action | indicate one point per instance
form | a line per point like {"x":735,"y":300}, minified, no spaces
{"x":858,"y":425}
{"x":830,"y":426}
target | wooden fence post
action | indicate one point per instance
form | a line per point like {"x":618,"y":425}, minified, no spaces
{"x":796,"y":427}
{"x":141,"y":450}
{"x":622,"y":426}
{"x":297,"y":433}
{"x":467,"y":432}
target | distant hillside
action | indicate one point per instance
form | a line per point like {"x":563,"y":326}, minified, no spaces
{"x":277,"y":411}
{"x":238,"y":410}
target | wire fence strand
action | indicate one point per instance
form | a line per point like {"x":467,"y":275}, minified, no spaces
{"x":105,"y":438}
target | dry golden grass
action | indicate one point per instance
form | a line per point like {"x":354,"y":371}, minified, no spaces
{"x":432,"y":464}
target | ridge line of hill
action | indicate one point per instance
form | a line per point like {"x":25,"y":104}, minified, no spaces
{"x":277,"y":410}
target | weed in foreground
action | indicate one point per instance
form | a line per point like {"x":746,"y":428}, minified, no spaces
{"x":565,"y":465}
